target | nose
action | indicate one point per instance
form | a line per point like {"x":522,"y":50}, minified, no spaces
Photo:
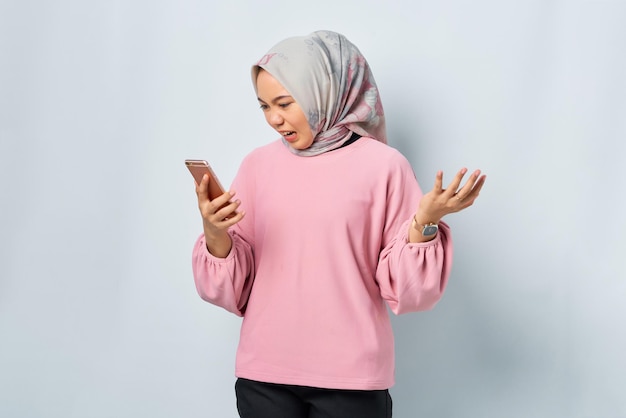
{"x":274,"y":118}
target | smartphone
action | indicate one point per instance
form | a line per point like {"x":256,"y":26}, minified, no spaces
{"x":198,"y":168}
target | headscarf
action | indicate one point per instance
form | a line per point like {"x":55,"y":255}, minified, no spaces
{"x":332,"y":83}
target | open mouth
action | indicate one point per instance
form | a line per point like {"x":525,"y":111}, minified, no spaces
{"x":289,"y":136}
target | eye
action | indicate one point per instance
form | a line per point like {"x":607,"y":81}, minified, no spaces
{"x":263,"y":106}
{"x":284,"y":105}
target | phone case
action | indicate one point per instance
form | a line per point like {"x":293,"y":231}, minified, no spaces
{"x":199,"y":168}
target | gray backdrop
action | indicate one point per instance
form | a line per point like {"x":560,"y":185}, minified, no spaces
{"x":100,"y":103}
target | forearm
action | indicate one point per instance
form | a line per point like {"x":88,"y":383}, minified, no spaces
{"x":219,"y":244}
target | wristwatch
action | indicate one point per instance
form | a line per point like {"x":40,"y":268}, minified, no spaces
{"x":428,"y":230}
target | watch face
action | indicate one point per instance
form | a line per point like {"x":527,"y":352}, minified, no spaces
{"x":429,"y":230}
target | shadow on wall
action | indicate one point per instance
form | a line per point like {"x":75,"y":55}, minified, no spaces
{"x":468,"y":353}
{"x":472,"y":355}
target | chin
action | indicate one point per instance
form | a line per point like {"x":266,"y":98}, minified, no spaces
{"x":301,"y":145}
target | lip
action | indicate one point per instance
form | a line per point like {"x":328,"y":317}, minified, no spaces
{"x":290,"y":136}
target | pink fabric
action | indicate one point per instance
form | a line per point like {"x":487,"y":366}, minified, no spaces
{"x":316,"y":258}
{"x":332,"y":82}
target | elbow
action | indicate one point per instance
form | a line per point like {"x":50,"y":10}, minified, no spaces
{"x":423,"y":301}
{"x":405,"y":309}
{"x":218,"y":298}
{"x":206,"y":293}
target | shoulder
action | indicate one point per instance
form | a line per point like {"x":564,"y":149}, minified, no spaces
{"x":384,"y":155}
{"x":264,"y":153}
{"x":271,"y":149}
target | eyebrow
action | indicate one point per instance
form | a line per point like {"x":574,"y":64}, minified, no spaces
{"x":276,"y":99}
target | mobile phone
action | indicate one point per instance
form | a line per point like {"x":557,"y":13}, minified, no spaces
{"x":198,"y":168}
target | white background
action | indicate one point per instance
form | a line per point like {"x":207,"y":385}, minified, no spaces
{"x":100,"y":103}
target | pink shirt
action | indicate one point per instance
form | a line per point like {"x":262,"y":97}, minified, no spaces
{"x":321,"y":249}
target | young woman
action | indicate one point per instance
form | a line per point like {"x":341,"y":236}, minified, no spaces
{"x":330,"y":226}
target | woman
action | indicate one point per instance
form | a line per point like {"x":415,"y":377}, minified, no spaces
{"x":330,"y":224}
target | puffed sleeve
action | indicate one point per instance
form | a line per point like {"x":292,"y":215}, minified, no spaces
{"x":227,"y":282}
{"x":411,"y":276}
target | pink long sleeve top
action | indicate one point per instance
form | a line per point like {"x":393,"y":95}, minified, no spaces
{"x":322,"y":248}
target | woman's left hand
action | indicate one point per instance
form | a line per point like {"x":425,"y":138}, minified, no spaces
{"x":439,"y":202}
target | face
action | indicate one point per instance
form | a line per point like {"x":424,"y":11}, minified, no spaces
{"x":282,"y":112}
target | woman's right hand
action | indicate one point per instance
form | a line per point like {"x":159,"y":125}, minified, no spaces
{"x":218,"y":215}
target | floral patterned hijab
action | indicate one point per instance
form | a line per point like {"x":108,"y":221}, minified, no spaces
{"x":331,"y":81}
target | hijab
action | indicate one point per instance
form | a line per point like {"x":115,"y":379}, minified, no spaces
{"x":332,"y":83}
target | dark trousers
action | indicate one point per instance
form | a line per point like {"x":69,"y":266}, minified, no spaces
{"x":269,"y":400}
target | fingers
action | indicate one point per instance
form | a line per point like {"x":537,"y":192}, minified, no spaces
{"x":226,"y":210}
{"x":218,"y":209}
{"x":202,"y":189}
{"x":461,"y":197}
{"x":438,"y":187}
{"x":440,"y":202}
{"x":472,"y":187}
{"x":456,"y":181}
{"x":221,"y":221}
{"x":477,"y":187}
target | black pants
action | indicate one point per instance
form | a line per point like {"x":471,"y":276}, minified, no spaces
{"x":269,"y":400}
